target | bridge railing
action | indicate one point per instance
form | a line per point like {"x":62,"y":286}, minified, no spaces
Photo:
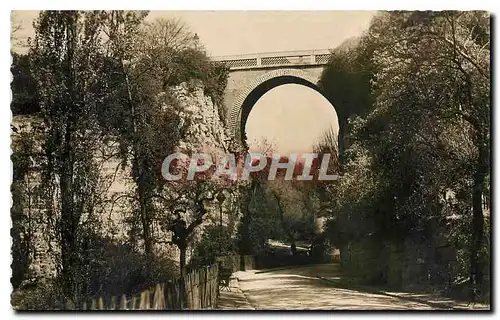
{"x":275,"y":59}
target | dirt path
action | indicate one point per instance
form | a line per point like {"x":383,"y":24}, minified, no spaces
{"x":301,"y":288}
{"x":233,"y":298}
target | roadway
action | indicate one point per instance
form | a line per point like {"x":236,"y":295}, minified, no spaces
{"x":319,"y":287}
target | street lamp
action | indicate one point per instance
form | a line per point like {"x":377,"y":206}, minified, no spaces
{"x":220,"y":198}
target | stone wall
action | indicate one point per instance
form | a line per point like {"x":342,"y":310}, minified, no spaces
{"x":413,"y":264}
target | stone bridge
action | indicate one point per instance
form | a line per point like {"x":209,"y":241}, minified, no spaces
{"x":252,"y":75}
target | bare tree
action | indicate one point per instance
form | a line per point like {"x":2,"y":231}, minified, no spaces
{"x":16,"y":26}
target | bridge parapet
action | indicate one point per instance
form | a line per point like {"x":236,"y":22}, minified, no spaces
{"x":275,"y":59}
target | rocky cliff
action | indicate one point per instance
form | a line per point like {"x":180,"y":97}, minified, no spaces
{"x":204,"y":131}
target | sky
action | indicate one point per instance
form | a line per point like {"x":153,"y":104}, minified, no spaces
{"x":291,"y":116}
{"x":289,"y":126}
{"x":240,"y":32}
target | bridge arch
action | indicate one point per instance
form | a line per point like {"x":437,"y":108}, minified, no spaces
{"x":247,"y":98}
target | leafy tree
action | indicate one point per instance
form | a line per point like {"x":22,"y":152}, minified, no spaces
{"x":136,"y":99}
{"x":278,"y":209}
{"x":23,"y":86}
{"x":442,"y":67}
{"x":96,"y":79}
{"x":66,"y":65}
{"x":347,"y":82}
{"x":296,"y":222}
{"x":259,"y":222}
{"x":216,"y":242}
{"x":419,"y":155}
{"x":149,"y":59}
{"x":25,"y":188}
{"x":171,"y":47}
{"x":191,"y":201}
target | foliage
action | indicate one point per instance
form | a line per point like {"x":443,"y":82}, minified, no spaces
{"x":25,"y":189}
{"x":96,"y":78}
{"x":216,"y":242}
{"x":177,"y":52}
{"x":258,"y":223}
{"x":416,"y":163}
{"x":65,"y":63}
{"x":444,"y":60}
{"x":215,"y":85}
{"x":145,"y":129}
{"x":346,"y":80}
{"x":150,"y":59}
{"x":192,"y":201}
{"x":297,"y":223}
{"x":23,"y":86}
{"x":45,"y":296}
{"x":347,"y":83}
{"x":278,"y":209}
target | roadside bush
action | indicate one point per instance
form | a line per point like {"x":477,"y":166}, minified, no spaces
{"x":216,"y":242}
{"x":44,"y":296}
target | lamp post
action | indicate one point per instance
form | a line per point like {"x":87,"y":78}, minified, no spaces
{"x":220,"y":199}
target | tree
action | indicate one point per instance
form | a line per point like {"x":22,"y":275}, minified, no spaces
{"x":418,"y":155}
{"x":216,"y":242}
{"x":297,"y":222}
{"x":23,"y":86}
{"x":16,"y":26}
{"x":149,"y":59}
{"x":417,"y":152}
{"x":259,"y":222}
{"x":190,"y":201}
{"x":97,"y":82}
{"x":279,"y":208}
{"x":144,"y":130}
{"x":173,"y":48}
{"x":347,"y":82}
{"x":25,"y":188}
{"x":443,"y":63}
{"x":190,"y":213}
{"x":66,"y":64}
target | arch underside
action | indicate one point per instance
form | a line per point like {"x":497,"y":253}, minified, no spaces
{"x":249,"y":96}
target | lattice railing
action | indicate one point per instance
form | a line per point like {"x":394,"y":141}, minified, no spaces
{"x":322,"y":58}
{"x":259,"y":60}
{"x":241,"y":63}
{"x":274,"y":60}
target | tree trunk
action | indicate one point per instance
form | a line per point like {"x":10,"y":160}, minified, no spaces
{"x":67,"y":225}
{"x":476,"y":271}
{"x":69,"y":220}
{"x":293,"y":247}
{"x":182,"y":261}
{"x":182,"y":264}
{"x":140,"y":180}
{"x":341,"y":140}
{"x":145,"y":221}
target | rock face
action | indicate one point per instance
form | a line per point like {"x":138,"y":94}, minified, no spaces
{"x":34,"y":248}
{"x":205,"y":132}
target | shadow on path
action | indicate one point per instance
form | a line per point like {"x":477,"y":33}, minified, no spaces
{"x":302,"y":288}
{"x":234,"y":299}
{"x":424,"y":298}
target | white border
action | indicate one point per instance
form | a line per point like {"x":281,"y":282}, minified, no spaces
{"x":259,"y":5}
{"x":5,"y":115}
